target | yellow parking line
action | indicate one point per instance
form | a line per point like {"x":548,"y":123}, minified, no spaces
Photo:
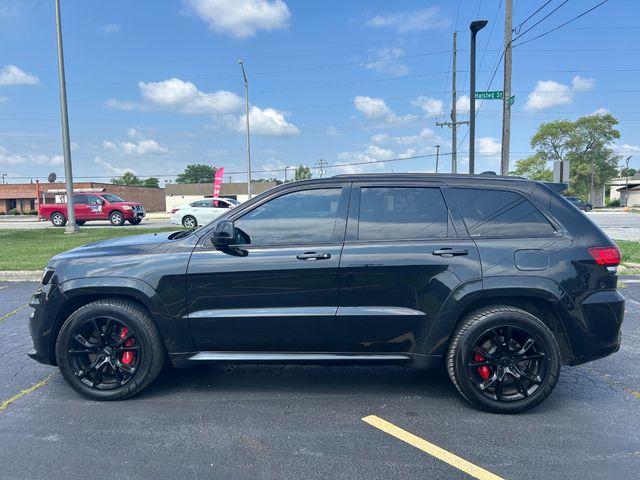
{"x":27,"y":391}
{"x":611,"y":381}
{"x":433,"y":450}
{"x":3,"y":286}
{"x":12,"y":313}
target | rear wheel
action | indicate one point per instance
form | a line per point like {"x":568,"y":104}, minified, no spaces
{"x":189,"y":221}
{"x":135,"y":221}
{"x":588,"y":208}
{"x":116,"y":218}
{"x":80,"y":222}
{"x":109,"y":350}
{"x":58,"y":219}
{"x":503,"y":359}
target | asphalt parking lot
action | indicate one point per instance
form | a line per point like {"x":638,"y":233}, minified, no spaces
{"x":274,"y":422}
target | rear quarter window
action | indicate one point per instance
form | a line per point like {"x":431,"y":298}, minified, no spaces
{"x":500,"y":213}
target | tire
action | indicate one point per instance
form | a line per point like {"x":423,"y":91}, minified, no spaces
{"x":135,"y":221}
{"x":503,"y":376}
{"x":587,"y":208}
{"x":189,"y":221}
{"x":80,"y":222}
{"x":116,"y":218}
{"x":94,"y":374}
{"x":58,"y":219}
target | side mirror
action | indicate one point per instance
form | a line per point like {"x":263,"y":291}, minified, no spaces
{"x":223,"y":234}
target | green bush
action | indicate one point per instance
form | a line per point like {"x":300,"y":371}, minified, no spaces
{"x":613,"y":203}
{"x":13,"y":211}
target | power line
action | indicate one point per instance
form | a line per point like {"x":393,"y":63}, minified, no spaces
{"x":516,"y":30}
{"x":540,"y":21}
{"x":562,"y":25}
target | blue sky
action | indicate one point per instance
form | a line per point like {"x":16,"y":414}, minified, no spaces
{"x":155,"y":85}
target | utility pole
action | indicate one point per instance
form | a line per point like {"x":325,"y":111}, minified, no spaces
{"x":285,"y":174}
{"x":453,"y":123}
{"x":506,"y":108}
{"x":246,"y":99}
{"x":71,"y":226}
{"x":475,"y":27}
{"x":437,"y":156}
{"x":626,"y":186}
{"x":321,"y":163}
{"x":3,"y":175}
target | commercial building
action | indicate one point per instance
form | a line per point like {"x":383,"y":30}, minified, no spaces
{"x":23,"y":196}
{"x":178,"y":194}
{"x":627,"y":190}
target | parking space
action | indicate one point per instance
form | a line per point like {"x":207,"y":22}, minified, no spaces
{"x":272,"y":422}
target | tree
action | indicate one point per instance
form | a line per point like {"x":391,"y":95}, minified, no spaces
{"x":262,"y":180}
{"x":127,"y":178}
{"x":197,"y":173}
{"x":302,"y":173}
{"x":534,"y":167}
{"x":627,"y":172}
{"x":151,"y":182}
{"x":585,"y":142}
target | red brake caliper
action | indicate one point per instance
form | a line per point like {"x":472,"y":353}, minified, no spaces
{"x":483,"y":370}
{"x":127,"y":357}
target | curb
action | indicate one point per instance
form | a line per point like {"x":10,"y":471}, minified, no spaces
{"x":21,"y":276}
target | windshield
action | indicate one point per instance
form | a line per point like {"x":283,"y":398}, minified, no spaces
{"x":112,"y":198}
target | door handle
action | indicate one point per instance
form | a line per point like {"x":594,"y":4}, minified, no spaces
{"x":450,"y":252}
{"x":313,"y":256}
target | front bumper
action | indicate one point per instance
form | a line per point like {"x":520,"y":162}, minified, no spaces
{"x":135,"y":213}
{"x":46,"y":303}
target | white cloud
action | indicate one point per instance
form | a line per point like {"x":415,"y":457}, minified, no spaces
{"x":186,"y":98}
{"x":12,"y":75}
{"x":463,"y":104}
{"x":549,"y":94}
{"x":380,"y":138}
{"x":489,"y":146}
{"x":387,"y":60}
{"x":134,"y":133}
{"x":7,"y":157}
{"x":377,"y":109}
{"x":431,"y":106}
{"x":267,"y":122}
{"x":141,"y":147}
{"x":111,"y":28}
{"x":626,"y":149}
{"x":425,"y":135}
{"x":110,"y":168}
{"x":4,"y":99}
{"x":333,"y":132}
{"x":241,"y":18}
{"x":411,"y":21}
{"x":600,"y":111}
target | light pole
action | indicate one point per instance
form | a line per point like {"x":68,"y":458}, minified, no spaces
{"x":285,"y":173}
{"x":246,"y":99}
{"x":437,"y":156}
{"x":475,"y":27}
{"x":71,"y":227}
{"x":626,"y":187}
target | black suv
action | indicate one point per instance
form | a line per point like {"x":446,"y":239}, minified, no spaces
{"x":497,"y":278}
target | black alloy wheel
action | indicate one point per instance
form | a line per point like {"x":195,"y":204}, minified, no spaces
{"x":503,"y":359}
{"x":109,"y":349}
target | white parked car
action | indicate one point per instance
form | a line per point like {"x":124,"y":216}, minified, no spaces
{"x":201,"y":212}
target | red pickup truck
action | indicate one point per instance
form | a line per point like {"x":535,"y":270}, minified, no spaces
{"x":94,"y":206}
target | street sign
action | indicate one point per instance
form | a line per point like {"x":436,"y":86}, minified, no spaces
{"x":493,"y":95}
{"x":512,"y":100}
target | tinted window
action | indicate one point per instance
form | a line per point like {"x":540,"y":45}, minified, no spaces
{"x":298,"y":217}
{"x":94,"y":200}
{"x":202,"y":203}
{"x":111,"y":198}
{"x":401,"y":213}
{"x":496,"y":213}
{"x":80,"y":199}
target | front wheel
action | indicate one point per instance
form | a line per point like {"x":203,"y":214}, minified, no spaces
{"x":588,"y":208}
{"x":58,"y":219}
{"x":109,"y":350}
{"x":80,"y":222}
{"x":135,"y":221}
{"x":503,"y":359}
{"x":116,"y":219}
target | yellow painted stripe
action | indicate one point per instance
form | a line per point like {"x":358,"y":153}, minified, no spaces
{"x":2,"y":287}
{"x":433,"y":450}
{"x":611,"y":381}
{"x":27,"y":391}
{"x":12,"y":313}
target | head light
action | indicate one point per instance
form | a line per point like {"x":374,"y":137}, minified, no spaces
{"x":127,"y":207}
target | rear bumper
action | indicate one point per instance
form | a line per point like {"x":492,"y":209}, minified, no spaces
{"x":597,"y":334}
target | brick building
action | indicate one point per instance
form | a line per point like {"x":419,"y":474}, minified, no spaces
{"x":22,"y":196}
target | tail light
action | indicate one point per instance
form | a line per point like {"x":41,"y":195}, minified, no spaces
{"x":174,"y":210}
{"x":609,"y":256}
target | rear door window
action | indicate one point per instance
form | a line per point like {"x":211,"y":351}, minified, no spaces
{"x":402,"y":213}
{"x":500,"y":213}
